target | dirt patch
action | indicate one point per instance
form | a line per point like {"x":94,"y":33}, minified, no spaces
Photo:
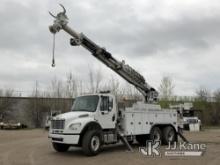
{"x":32,"y":147}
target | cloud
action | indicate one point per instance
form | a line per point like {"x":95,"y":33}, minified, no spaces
{"x":156,"y":37}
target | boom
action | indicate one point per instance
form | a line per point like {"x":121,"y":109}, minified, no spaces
{"x":124,"y":70}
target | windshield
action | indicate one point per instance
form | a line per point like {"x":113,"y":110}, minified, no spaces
{"x":85,"y":103}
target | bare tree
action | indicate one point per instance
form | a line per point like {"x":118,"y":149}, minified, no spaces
{"x":35,"y":108}
{"x":81,"y":87}
{"x":131,"y":92}
{"x":216,"y":108}
{"x":217,"y":95}
{"x":91,"y":81}
{"x":1,"y":93}
{"x":6,"y":103}
{"x":202,"y":94}
{"x":71,"y":87}
{"x":56,"y":88}
{"x":201,"y":103}
{"x":114,"y":86}
{"x":166,"y":88}
{"x":121,"y":90}
{"x":95,"y":79}
{"x":98,"y":79}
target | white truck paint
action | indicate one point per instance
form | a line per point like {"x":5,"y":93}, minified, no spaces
{"x":140,"y":118}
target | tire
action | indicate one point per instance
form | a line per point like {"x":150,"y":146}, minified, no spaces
{"x":91,"y":143}
{"x":59,"y":147}
{"x":155,"y":134}
{"x":169,"y":135}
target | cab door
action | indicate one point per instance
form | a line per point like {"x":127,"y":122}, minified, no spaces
{"x":107,"y":112}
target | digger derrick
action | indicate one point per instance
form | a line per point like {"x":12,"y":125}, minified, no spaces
{"x":122,"y":69}
{"x":105,"y":123}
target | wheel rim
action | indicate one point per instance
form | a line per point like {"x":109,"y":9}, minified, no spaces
{"x":156,"y":136}
{"x":95,"y":143}
{"x":170,"y":136}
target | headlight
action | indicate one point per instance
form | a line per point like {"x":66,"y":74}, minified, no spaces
{"x":75,"y":126}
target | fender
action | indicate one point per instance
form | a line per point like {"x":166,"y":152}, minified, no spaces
{"x":89,"y":126}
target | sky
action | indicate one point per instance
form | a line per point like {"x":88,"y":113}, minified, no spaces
{"x":179,"y":39}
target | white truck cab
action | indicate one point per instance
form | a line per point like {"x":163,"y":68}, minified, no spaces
{"x":100,"y":108}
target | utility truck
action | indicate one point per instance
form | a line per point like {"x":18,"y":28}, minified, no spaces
{"x":187,"y":114}
{"x":96,"y":120}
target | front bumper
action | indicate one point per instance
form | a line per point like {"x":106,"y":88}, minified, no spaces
{"x":65,"y":138}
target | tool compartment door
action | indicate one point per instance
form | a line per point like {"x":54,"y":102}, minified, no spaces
{"x":146,"y":124}
{"x":133,"y":123}
{"x":129,"y":123}
{"x":138,"y":123}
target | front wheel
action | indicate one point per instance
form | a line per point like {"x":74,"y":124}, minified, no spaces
{"x":59,"y":147}
{"x":91,"y":143}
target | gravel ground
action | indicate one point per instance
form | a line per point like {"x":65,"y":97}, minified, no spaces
{"x":32,"y":147}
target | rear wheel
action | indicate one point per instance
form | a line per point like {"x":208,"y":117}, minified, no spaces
{"x":169,"y":135}
{"x":59,"y":147}
{"x":155,"y":134}
{"x":92,"y":142}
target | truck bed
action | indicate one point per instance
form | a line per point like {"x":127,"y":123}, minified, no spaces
{"x":141,"y":117}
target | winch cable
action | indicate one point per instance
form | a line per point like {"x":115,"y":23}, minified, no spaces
{"x":53,"y":51}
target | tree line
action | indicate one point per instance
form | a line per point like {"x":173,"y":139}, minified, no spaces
{"x":34,"y":109}
{"x":59,"y":96}
{"x":205,"y":101}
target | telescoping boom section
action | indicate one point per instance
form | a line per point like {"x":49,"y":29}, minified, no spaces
{"x":124,"y":70}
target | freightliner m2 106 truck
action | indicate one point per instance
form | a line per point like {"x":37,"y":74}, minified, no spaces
{"x":96,"y":120}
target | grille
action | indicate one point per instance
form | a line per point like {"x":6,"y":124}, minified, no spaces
{"x":57,"y":124}
{"x":192,"y":121}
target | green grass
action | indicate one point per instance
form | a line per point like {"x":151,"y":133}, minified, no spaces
{"x":211,"y":127}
